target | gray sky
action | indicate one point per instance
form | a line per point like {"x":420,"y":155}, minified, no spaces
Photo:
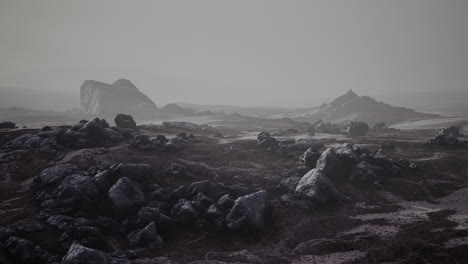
{"x":242,"y":52}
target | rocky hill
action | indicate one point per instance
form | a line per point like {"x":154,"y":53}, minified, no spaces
{"x":351,"y":106}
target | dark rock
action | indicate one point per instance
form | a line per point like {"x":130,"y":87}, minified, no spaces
{"x":248,"y":212}
{"x":310,"y":157}
{"x":265,"y":140}
{"x":147,"y":215}
{"x":452,"y":131}
{"x":125,"y":121}
{"x":7,"y":124}
{"x":126,"y":197}
{"x":289,"y":184}
{"x":317,"y":188}
{"x":46,"y":128}
{"x":94,"y":128}
{"x":145,"y":237}
{"x":185,"y":211}
{"x":20,"y":250}
{"x":77,"y":190}
{"x":178,"y":170}
{"x":61,"y":222}
{"x":357,"y":129}
{"x":225,"y":203}
{"x":55,"y":174}
{"x":113,"y":135}
{"x":78,"y":254}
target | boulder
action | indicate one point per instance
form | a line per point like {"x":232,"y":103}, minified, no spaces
{"x":56,"y":173}
{"x":7,"y":124}
{"x":357,"y":129}
{"x":184,"y":211}
{"x":125,"y":196}
{"x":452,"y":131}
{"x":94,"y":128}
{"x":77,"y":190}
{"x":265,"y":140}
{"x":310,"y":157}
{"x":145,"y":237}
{"x":78,"y":254}
{"x":316,"y":187}
{"x":20,"y":250}
{"x":248,"y":212}
{"x":125,"y":121}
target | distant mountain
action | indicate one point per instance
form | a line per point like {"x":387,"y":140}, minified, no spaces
{"x":351,"y":106}
{"x":229,"y":109}
{"x":38,"y":100}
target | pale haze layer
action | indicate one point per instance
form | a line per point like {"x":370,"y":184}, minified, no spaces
{"x":285,"y":53}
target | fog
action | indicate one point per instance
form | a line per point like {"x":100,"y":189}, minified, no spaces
{"x":285,"y":53}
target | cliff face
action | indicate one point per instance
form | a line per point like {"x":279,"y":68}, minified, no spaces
{"x":108,"y":100}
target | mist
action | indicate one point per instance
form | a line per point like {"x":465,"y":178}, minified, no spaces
{"x":247,"y":53}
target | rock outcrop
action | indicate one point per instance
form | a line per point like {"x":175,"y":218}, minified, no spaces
{"x":108,"y":100}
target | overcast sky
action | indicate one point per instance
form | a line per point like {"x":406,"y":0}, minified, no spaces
{"x":242,"y":52}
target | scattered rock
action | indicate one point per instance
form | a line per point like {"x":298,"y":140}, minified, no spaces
{"x":248,"y":212}
{"x":7,"y":124}
{"x":310,"y":157}
{"x":20,"y":250}
{"x":78,"y":254}
{"x":145,"y":237}
{"x":126,"y":196}
{"x":357,"y":129}
{"x":317,"y":188}
{"x":125,"y":121}
{"x":265,"y":140}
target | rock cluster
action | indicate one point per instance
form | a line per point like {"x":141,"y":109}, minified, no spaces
{"x":448,"y":137}
{"x":82,"y":134}
{"x":345,"y":162}
{"x":122,"y":200}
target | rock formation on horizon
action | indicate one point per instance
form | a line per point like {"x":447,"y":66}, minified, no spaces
{"x":352,"y":107}
{"x":108,"y":100}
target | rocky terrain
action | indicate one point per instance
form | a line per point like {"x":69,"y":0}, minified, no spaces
{"x":186,"y":193}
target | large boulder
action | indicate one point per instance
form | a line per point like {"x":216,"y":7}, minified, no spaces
{"x":78,"y":254}
{"x":126,"y":197}
{"x":56,"y":173}
{"x":7,"y":124}
{"x":316,"y":187}
{"x":20,"y":250}
{"x":94,"y":128}
{"x":310,"y":157}
{"x":357,"y":129}
{"x":77,"y":190}
{"x":145,"y":237}
{"x":265,"y":140}
{"x":452,"y":131}
{"x":125,"y":121}
{"x":248,"y":212}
